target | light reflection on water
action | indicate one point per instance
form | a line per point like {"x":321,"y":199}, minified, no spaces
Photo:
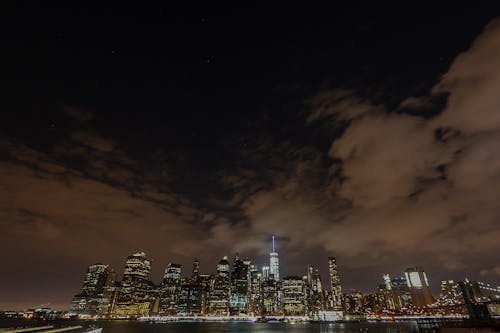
{"x":242,"y":327}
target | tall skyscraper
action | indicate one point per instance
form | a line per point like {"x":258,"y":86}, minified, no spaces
{"x":170,"y":289}
{"x":418,"y":284}
{"x":137,"y":294}
{"x":136,"y":277}
{"x":335,"y":286}
{"x":294,"y":297}
{"x":239,"y":286}
{"x":220,"y":290}
{"x":96,"y":292}
{"x":274,"y":266}
{"x":196,"y":270}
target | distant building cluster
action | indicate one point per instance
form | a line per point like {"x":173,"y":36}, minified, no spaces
{"x":241,"y":289}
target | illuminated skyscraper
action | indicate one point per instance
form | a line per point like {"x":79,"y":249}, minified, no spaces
{"x":220,"y":290}
{"x":274,"y":266}
{"x":170,"y":289}
{"x":336,"y":288}
{"x":294,"y":298}
{"x":419,"y":286}
{"x":450,"y":293}
{"x":137,"y":295}
{"x":196,"y":270}
{"x":96,"y":292}
{"x":136,"y":277}
{"x":239,"y":286}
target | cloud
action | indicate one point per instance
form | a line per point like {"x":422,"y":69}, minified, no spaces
{"x":339,"y":104}
{"x":398,"y":189}
{"x":77,"y":113}
{"x":472,"y":84}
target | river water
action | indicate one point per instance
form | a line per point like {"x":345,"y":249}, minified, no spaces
{"x":230,"y":327}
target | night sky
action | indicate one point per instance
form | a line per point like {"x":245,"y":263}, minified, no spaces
{"x":368,"y":133}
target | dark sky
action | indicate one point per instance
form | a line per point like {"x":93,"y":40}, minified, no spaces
{"x":368,"y":133}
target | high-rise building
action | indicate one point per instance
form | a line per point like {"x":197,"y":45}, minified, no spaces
{"x":315,"y":292}
{"x":239,"y":286}
{"x":254,"y":292}
{"x":196,"y":270}
{"x":274,"y":265}
{"x":387,"y":281}
{"x":335,"y":286}
{"x":136,"y":277}
{"x":270,"y":297}
{"x":189,"y":302}
{"x":450,"y":293}
{"x":220,"y":290}
{"x":96,"y":293}
{"x":418,"y":284}
{"x":293,"y":299}
{"x":170,"y":289}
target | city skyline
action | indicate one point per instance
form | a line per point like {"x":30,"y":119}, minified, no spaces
{"x":366,"y":134}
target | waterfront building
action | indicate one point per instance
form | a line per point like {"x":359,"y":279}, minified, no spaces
{"x":189,"y":298}
{"x":353,"y":303}
{"x":270,"y":297}
{"x":138,"y":294}
{"x":315,"y":292}
{"x":220,"y":290}
{"x":450,"y":293}
{"x":335,"y":286}
{"x":238,"y":300}
{"x":170,"y":289}
{"x":418,"y":284}
{"x":254,"y":290}
{"x":204,"y":283}
{"x":96,"y":293}
{"x":293,"y":296}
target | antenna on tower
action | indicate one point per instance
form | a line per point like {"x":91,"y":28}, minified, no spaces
{"x":273,"y":244}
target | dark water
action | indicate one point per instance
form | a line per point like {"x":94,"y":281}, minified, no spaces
{"x":230,"y":327}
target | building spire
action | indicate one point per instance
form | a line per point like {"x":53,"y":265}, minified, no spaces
{"x":273,"y":244}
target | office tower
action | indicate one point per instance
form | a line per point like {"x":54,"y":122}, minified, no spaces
{"x":315,"y":293}
{"x":96,"y":293}
{"x":450,"y":293}
{"x":353,"y":303}
{"x":196,"y":270}
{"x":387,"y":281}
{"x":274,"y":266}
{"x":239,"y":286}
{"x":255,"y":293}
{"x":220,"y":291}
{"x":136,"y":277}
{"x":170,"y":289}
{"x":270,"y":298}
{"x":293,"y":296}
{"x":335,"y":286}
{"x":205,"y":283}
{"x":418,"y":284}
{"x":265,"y":272}
{"x":189,"y":303}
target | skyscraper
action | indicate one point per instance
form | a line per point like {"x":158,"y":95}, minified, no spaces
{"x":274,"y":266}
{"x":136,"y":277}
{"x":419,"y":286}
{"x":220,"y":290}
{"x":96,"y":292}
{"x":137,"y":291}
{"x":294,"y":298}
{"x":196,"y":270}
{"x":170,"y":289}
{"x":239,"y":286}
{"x":335,"y":287}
